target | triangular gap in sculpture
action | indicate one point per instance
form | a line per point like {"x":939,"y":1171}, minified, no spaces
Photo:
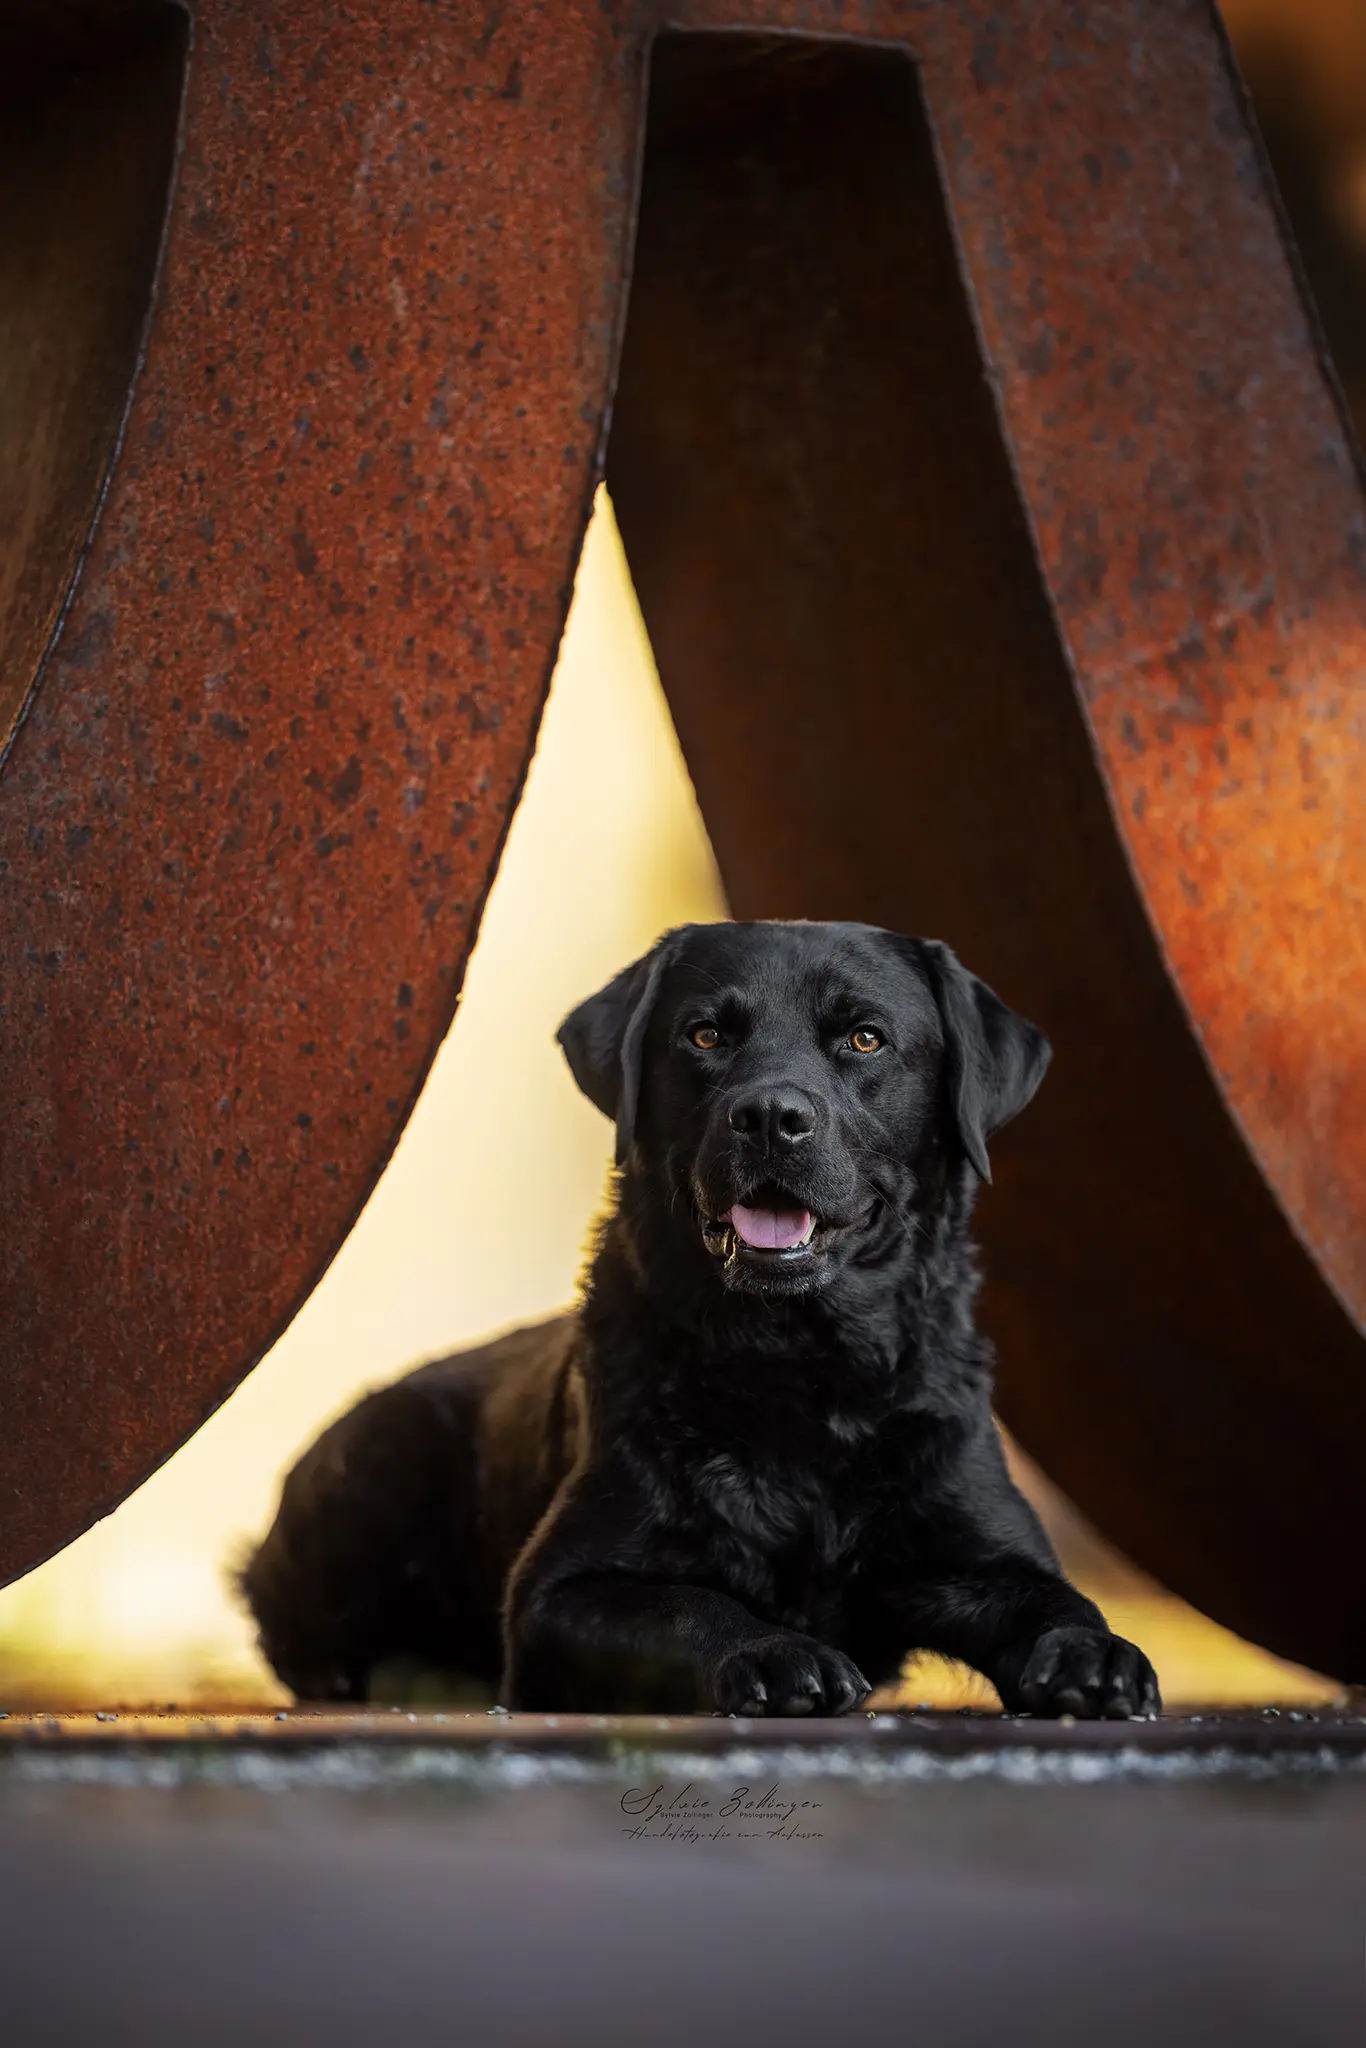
{"x":886,"y":557}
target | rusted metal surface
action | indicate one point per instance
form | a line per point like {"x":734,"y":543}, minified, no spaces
{"x":248,"y":824}
{"x":903,"y":488}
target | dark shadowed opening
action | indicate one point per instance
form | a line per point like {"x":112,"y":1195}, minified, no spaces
{"x":89,"y":105}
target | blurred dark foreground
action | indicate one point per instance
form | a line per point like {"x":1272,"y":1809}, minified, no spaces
{"x":229,"y":1893}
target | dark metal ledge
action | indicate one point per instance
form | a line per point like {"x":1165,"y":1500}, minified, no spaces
{"x":350,"y":1748}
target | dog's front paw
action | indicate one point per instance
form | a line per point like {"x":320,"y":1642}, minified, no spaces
{"x":1089,"y":1673}
{"x":787,"y":1674}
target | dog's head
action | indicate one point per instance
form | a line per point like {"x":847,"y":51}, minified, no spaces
{"x":791,"y":1096}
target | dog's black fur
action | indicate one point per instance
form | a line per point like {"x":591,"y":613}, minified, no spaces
{"x":738,"y":1479}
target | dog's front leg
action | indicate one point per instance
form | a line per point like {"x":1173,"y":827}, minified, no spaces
{"x":596,"y":1619}
{"x":613,"y":1642}
{"x":1046,"y":1648}
{"x":583,"y":1636}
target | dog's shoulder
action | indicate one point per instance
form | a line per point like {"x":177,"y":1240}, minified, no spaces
{"x":530,"y":1353}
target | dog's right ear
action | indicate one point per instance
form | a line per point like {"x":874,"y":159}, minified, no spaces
{"x":603,"y":1039}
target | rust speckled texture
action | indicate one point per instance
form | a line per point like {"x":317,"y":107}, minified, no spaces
{"x":248,"y":825}
{"x":1004,"y":549}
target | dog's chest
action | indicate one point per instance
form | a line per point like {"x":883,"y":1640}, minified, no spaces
{"x":775,"y":1472}
{"x":780,"y":1530}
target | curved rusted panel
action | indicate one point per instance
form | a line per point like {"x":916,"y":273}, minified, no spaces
{"x":248,"y":824}
{"x":904,"y":488}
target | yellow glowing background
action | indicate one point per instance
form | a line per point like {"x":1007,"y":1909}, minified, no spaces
{"x":479,"y":1222}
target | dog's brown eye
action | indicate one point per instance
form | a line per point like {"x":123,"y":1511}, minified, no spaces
{"x":866,"y":1040}
{"x":706,"y":1036}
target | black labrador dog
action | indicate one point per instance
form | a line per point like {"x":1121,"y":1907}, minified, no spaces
{"x":758,"y":1466}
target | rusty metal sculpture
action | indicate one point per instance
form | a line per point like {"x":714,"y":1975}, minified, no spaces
{"x":1004,"y":550}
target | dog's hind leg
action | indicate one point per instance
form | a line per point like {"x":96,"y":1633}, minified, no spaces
{"x":371,"y":1557}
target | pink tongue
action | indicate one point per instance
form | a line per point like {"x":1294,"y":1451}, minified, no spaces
{"x":769,"y":1230}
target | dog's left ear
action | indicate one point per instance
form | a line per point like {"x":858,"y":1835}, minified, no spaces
{"x":603,"y":1039}
{"x":996,"y":1058}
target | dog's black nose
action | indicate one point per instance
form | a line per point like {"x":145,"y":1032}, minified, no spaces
{"x":775,"y":1116}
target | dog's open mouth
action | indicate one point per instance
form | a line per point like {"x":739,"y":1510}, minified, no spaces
{"x":764,"y":1228}
{"x":772,"y":1230}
